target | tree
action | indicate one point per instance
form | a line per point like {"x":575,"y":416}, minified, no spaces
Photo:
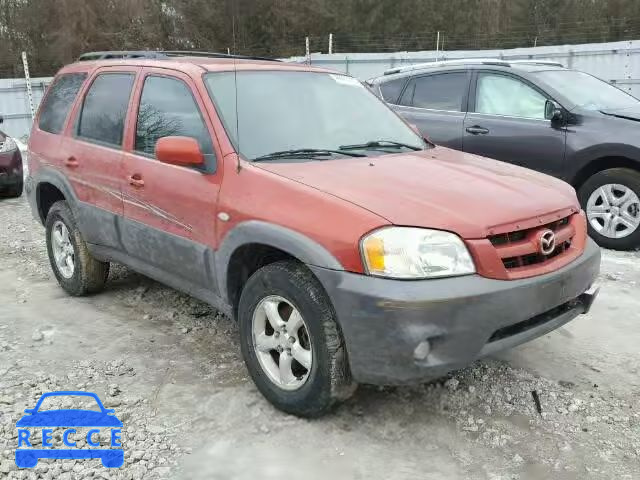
{"x":55,"y":32}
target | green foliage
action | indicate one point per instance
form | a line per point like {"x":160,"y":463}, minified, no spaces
{"x":55,"y":32}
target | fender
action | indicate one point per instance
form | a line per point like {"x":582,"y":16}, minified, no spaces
{"x":58,"y":180}
{"x":588,"y":160}
{"x":294,"y":243}
{"x":97,"y":226}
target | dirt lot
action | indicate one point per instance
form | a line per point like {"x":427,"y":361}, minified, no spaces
{"x":171,"y":368}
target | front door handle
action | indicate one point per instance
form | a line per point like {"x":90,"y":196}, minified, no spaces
{"x":136,"y":180}
{"x":477,"y":130}
{"x":71,"y":162}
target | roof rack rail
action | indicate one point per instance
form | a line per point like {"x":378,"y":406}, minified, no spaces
{"x":537,"y":62}
{"x":188,"y":53}
{"x":471,"y":61}
{"x":114,"y":55}
{"x":444,"y":63}
{"x":162,"y":55}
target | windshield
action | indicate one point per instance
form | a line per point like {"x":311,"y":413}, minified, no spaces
{"x":281,"y":110}
{"x":587,"y":91}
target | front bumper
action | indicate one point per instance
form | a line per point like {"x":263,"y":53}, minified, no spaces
{"x":399,"y":332}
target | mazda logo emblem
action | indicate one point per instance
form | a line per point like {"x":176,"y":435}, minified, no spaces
{"x":547,"y":242}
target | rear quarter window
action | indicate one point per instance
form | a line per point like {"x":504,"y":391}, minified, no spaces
{"x":58,"y":102}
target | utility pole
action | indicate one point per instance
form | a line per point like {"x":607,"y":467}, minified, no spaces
{"x":438,"y":46}
{"x":330,"y":43}
{"x":27,"y":77}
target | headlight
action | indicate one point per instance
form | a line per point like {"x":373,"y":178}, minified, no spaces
{"x":8,"y":145}
{"x":411,"y":253}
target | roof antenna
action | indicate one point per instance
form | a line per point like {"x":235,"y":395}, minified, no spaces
{"x":235,"y":76}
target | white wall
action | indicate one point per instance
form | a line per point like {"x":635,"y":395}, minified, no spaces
{"x":617,"y":62}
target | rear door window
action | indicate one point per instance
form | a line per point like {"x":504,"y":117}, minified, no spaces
{"x":391,"y":90}
{"x":444,"y":91}
{"x":167,"y":108}
{"x":58,"y":102}
{"x":105,"y":108}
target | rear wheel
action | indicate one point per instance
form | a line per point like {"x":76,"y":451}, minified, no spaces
{"x":74,"y":267}
{"x":291,"y":342}
{"x":611,"y":200}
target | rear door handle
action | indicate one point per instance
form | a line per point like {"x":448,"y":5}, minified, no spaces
{"x":136,"y":180}
{"x":71,"y":162}
{"x":477,"y":130}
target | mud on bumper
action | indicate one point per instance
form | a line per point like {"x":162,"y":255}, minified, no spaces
{"x":411,"y":331}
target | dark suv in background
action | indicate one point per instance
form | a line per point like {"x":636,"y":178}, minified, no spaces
{"x":539,"y":115}
{"x":11,"y":181}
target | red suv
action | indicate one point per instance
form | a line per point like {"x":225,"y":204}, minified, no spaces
{"x":348,"y":248}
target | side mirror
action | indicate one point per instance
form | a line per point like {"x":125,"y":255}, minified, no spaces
{"x":552,"y":111}
{"x":183,"y":151}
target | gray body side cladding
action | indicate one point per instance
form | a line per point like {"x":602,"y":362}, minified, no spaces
{"x":203,"y":293}
{"x":55,"y":178}
{"x":188,"y":266}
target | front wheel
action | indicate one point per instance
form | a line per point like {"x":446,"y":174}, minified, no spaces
{"x":291,"y":342}
{"x":611,"y":200}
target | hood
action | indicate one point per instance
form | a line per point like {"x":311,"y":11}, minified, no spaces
{"x":631,"y":113}
{"x":438,"y":188}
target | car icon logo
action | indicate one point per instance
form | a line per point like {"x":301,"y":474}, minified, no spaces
{"x":547,"y":242}
{"x":69,"y":419}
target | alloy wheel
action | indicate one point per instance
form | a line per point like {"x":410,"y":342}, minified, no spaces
{"x":281,"y":342}
{"x":62,"y":248}
{"x":613,"y":210}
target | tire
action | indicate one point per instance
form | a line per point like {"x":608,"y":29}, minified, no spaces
{"x":89,"y":275}
{"x":627,"y":178}
{"x":14,"y":191}
{"x":328,"y":380}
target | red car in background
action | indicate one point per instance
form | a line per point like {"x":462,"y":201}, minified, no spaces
{"x":11,"y":181}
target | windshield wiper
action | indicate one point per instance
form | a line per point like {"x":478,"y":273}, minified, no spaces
{"x":377,"y":144}
{"x":306,"y":153}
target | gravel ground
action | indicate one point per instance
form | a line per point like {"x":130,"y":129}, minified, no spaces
{"x":171,"y":368}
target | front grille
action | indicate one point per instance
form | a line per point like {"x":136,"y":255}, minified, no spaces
{"x":521,"y":248}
